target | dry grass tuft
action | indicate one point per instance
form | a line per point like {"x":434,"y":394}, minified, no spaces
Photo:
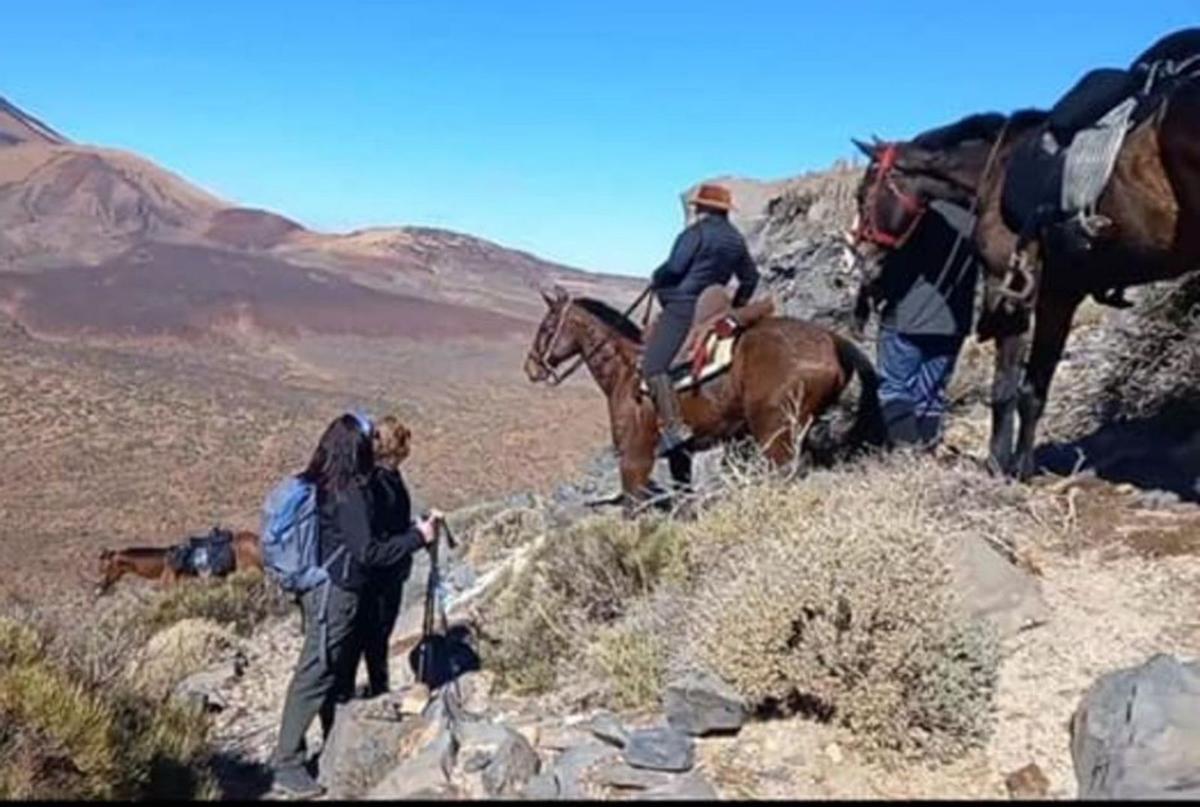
{"x":64,"y":736}
{"x":1154,"y":365}
{"x":576,"y":583}
{"x":835,"y":599}
{"x":241,"y":600}
{"x":176,"y":652}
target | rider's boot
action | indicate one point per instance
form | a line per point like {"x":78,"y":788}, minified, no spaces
{"x":675,"y":433}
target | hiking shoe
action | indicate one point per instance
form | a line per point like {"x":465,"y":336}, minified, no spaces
{"x":295,"y":782}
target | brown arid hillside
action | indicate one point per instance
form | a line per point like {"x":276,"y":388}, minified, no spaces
{"x":165,"y":356}
{"x":70,"y":212}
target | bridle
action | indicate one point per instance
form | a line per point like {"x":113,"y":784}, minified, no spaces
{"x":541,"y":359}
{"x":867,"y":229}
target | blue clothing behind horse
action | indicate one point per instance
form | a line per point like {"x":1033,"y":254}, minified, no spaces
{"x":928,"y":288}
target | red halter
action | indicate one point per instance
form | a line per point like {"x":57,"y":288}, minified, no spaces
{"x":914,"y":206}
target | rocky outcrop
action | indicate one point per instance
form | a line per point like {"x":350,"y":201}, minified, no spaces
{"x":1136,"y":734}
{"x":795,"y":231}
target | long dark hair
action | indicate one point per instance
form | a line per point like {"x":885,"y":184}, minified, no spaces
{"x":343,"y":459}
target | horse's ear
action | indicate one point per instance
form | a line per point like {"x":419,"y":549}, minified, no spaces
{"x":549,"y":299}
{"x":560,"y":294}
{"x":863,"y":147}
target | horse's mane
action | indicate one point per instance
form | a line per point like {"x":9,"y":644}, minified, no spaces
{"x":984,"y":126}
{"x":610,"y":316}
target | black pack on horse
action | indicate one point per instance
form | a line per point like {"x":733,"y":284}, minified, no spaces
{"x":1144,"y":225}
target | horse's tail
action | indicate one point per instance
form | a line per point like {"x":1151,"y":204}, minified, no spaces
{"x":868,"y":428}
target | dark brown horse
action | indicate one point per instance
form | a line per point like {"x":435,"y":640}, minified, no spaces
{"x":1152,"y":200}
{"x":785,"y":373}
{"x":151,"y":562}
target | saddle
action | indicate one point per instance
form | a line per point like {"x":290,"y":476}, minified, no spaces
{"x":707,"y":350}
{"x":1055,"y":179}
{"x":205,"y":555}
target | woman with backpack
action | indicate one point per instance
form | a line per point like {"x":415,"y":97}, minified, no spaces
{"x":340,"y":470}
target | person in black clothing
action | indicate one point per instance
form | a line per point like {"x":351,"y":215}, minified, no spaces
{"x":341,"y":469}
{"x":707,"y":253}
{"x":379,"y":603}
{"x":926,"y":292}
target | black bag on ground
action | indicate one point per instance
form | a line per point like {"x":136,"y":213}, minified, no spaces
{"x":440,"y":658}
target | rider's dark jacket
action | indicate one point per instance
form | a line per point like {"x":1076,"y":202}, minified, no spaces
{"x":707,"y":253}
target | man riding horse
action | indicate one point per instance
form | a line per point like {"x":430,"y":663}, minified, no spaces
{"x":707,"y":253}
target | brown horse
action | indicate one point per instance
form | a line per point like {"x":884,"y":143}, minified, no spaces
{"x":152,"y":562}
{"x":785,"y":373}
{"x":1152,"y":201}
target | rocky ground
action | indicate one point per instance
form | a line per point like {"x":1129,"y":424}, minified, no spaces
{"x":1109,"y":579}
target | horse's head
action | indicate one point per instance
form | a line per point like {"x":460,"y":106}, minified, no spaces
{"x":110,"y":571}
{"x":901,"y":180}
{"x":554,"y":342}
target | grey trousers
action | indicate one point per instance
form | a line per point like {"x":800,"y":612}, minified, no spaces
{"x":673,"y":325}
{"x":314,"y":682}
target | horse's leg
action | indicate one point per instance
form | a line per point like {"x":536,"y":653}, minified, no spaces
{"x":775,"y":422}
{"x":1052,"y":325}
{"x":637,"y":466}
{"x":1006,"y":387}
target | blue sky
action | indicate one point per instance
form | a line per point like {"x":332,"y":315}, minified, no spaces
{"x":565,"y":128}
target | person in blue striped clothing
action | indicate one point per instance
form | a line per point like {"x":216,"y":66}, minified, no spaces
{"x":925,"y":295}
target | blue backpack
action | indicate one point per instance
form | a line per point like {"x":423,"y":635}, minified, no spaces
{"x":290,"y":543}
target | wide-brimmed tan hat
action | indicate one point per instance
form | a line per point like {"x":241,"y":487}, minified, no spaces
{"x":714,"y":196}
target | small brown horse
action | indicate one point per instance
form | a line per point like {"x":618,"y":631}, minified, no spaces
{"x":1152,"y":200}
{"x":785,"y":373}
{"x":151,"y":562}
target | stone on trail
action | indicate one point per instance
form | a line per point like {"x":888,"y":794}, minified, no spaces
{"x":623,"y":776}
{"x":363,"y":746}
{"x":572,"y":764}
{"x":660,"y":749}
{"x":700,"y":704}
{"x":1029,"y":782}
{"x":995,"y":589}
{"x":1136,"y":734}
{"x":495,"y":759}
{"x":605,"y":726}
{"x":691,"y":786}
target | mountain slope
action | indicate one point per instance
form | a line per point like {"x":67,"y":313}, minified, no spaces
{"x":103,"y":242}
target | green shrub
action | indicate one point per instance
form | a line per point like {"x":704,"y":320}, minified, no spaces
{"x":243,"y":600}
{"x":65,"y":737}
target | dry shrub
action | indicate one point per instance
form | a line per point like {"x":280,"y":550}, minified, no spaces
{"x":1154,"y":363}
{"x":243,"y":600}
{"x":64,"y":736}
{"x":576,"y":582}
{"x":835,"y":598}
{"x":494,"y":537}
{"x":176,"y":652}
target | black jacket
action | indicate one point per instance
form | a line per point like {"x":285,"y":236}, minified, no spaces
{"x":924,"y":292}
{"x":347,"y":520}
{"x":708,"y":253}
{"x":391,"y":518}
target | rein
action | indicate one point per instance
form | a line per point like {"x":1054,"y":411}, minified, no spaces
{"x":556,"y":377}
{"x":867,"y":229}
